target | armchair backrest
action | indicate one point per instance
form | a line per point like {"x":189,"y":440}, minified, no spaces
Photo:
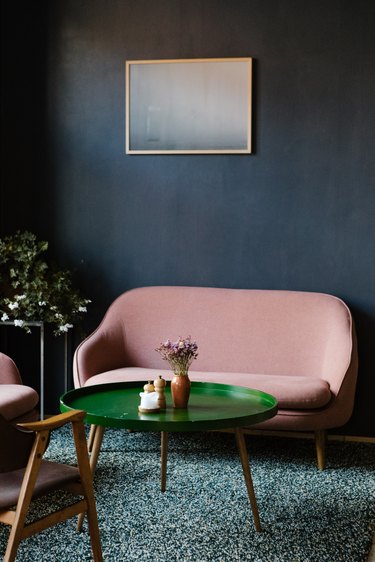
{"x":18,"y":402}
{"x":9,"y":373}
{"x":15,"y":446}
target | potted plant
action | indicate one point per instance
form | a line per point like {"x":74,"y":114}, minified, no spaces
{"x":32,"y":290}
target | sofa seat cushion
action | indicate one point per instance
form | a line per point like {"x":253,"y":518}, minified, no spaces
{"x":17,"y":400}
{"x":294,"y":392}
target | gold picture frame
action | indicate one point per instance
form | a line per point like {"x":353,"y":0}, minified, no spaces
{"x":188,"y":106}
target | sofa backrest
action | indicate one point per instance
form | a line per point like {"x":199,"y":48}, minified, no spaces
{"x":257,"y":331}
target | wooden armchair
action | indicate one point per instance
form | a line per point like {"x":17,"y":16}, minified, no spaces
{"x":25,"y":475}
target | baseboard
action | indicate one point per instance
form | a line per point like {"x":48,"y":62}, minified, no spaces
{"x":305,"y":435}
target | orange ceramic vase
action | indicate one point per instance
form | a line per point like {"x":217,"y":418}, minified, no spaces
{"x":180,"y":388}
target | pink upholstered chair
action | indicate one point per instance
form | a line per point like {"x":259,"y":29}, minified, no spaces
{"x":18,"y":402}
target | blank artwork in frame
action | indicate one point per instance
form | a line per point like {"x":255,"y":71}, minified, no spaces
{"x":191,"y":106}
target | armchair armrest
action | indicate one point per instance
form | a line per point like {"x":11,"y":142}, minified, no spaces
{"x":54,"y":422}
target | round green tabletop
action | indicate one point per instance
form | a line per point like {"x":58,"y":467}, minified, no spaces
{"x":211,"y":406}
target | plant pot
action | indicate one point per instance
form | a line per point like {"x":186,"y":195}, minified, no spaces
{"x":180,"y":388}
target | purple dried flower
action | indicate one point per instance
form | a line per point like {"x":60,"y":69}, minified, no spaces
{"x":179,"y":354}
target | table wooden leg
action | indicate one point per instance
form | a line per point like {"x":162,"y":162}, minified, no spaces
{"x":163,"y":458}
{"x":98,"y":433}
{"x":90,"y":441}
{"x":241,"y":444}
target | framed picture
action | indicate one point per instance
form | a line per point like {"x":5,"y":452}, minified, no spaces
{"x":191,"y":106}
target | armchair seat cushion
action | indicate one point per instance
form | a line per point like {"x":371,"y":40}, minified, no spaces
{"x":291,"y":392}
{"x":17,"y":400}
{"x":51,"y":476}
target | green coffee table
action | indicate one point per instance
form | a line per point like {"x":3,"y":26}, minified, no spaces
{"x":211,"y":406}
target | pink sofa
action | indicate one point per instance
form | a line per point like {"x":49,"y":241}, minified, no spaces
{"x":298,"y":346}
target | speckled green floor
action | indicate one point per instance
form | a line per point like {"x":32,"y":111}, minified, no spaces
{"x":205,"y":516}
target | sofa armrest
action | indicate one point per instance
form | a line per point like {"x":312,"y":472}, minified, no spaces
{"x":101,"y":351}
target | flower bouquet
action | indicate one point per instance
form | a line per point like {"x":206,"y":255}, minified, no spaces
{"x":180,"y":355}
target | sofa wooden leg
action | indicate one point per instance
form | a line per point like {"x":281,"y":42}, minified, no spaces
{"x":320,"y":445}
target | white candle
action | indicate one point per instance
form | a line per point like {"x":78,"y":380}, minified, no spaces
{"x":149,"y":400}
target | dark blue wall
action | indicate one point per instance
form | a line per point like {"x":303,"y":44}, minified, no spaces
{"x":296,"y":214}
